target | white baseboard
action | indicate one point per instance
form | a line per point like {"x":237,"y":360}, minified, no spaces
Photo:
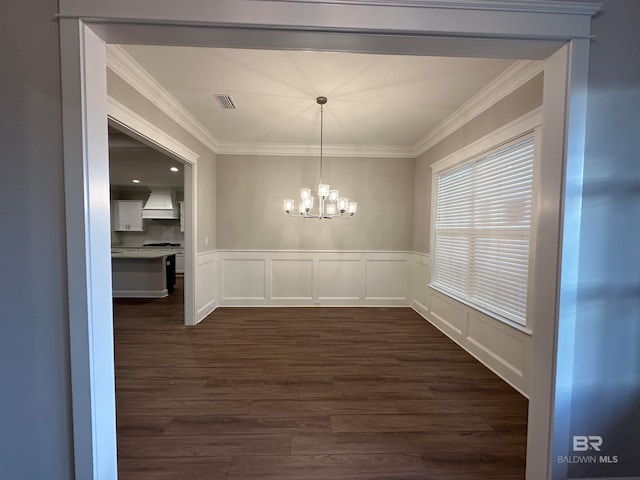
{"x":206,"y":310}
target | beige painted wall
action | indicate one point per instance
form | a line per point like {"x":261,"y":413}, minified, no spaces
{"x":206,"y":214}
{"x":251,"y":189}
{"x":514,"y":105}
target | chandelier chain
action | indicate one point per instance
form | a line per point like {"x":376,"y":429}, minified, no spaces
{"x":321,"y":134}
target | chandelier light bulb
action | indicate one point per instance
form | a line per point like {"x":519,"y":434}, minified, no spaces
{"x":342,"y":204}
{"x":331,"y":210}
{"x":333,"y":196}
{"x":289,"y":205}
{"x":323,"y":190}
{"x":352,"y":208}
{"x":305,"y":193}
{"x":308,"y":203}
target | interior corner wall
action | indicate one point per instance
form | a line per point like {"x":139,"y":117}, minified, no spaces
{"x":35,"y":419}
{"x":505,"y":350}
{"x":124,"y":93}
{"x":251,"y":189}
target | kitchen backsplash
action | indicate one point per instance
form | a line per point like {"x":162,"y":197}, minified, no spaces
{"x":155,"y":231}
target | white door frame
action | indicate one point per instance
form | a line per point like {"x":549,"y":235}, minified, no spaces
{"x":453,"y":27}
{"x":140,"y":129}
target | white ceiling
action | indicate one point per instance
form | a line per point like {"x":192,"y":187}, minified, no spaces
{"x":374,"y":100}
{"x":129,"y":159}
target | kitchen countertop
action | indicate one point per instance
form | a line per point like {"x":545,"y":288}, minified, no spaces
{"x":150,"y":255}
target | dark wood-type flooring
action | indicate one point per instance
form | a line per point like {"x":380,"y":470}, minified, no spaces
{"x":306,"y":393}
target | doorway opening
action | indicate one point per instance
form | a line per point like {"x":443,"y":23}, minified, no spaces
{"x":84,"y":118}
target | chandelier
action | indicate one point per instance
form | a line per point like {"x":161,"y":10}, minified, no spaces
{"x":331,"y":204}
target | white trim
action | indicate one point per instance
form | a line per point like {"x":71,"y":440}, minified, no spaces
{"x":206,"y":257}
{"x":526,"y":329}
{"x":308,"y":253}
{"x":123,"y":65}
{"x":205,"y":310}
{"x":207,"y":288}
{"x":140,"y":293}
{"x":426,"y":256}
{"x":527,"y":122}
{"x":507,"y":82}
{"x":510,"y":19}
{"x":86,"y":181}
{"x":298,"y":149}
{"x":126,"y":117}
{"x":527,"y":6}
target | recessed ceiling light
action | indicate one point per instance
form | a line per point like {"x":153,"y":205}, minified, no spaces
{"x":174,"y":169}
{"x":135,"y":180}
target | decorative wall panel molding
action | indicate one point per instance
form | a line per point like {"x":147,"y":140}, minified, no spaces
{"x":206,"y":266}
{"x":306,"y":278}
{"x":501,"y":348}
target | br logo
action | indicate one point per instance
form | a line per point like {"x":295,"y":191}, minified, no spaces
{"x":583,"y":443}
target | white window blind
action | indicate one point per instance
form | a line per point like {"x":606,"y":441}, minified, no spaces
{"x":482,"y":230}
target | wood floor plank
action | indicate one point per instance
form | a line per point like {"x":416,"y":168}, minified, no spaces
{"x":168,"y":446}
{"x":378,"y":442}
{"x":348,"y":467}
{"x":162,"y":405}
{"x":217,"y":424}
{"x":323,"y":407}
{"x":409,"y":423}
{"x":206,"y":468}
{"x":318,"y":393}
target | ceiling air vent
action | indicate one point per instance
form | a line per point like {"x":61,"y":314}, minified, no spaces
{"x":225,"y":101}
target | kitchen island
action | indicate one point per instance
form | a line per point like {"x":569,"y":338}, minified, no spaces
{"x":143,"y":274}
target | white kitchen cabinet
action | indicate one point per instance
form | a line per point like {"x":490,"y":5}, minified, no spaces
{"x":127,"y":216}
{"x":181,"y":216}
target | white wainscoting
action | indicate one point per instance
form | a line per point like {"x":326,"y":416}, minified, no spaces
{"x":338,"y":278}
{"x":305,"y":278}
{"x":206,"y":286}
{"x":505,"y":350}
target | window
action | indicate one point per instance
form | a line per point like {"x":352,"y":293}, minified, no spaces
{"x":482,"y":228}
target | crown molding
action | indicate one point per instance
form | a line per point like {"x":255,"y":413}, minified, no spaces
{"x":555,"y":7}
{"x":147,"y":131}
{"x":526,"y":6}
{"x":527,"y":122}
{"x":123,"y":65}
{"x":513,"y":77}
{"x":300,"y":150}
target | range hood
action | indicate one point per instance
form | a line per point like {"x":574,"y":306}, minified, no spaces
{"x":162,"y":205}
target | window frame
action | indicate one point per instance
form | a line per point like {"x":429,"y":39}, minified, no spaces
{"x":526,"y":124}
